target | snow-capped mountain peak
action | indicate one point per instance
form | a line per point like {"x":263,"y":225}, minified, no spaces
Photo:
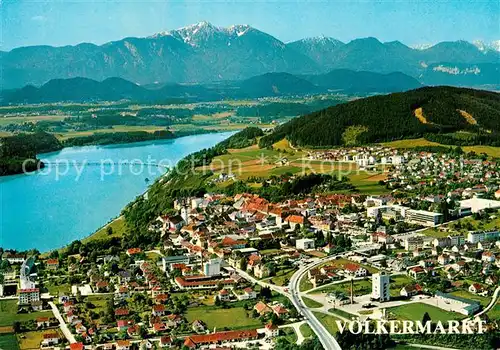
{"x":485,"y":47}
{"x":196,"y":34}
{"x":422,"y":46}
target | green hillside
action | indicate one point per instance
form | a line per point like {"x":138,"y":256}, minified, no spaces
{"x":429,"y":110}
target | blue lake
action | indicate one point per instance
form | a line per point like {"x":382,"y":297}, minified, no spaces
{"x":83,"y":188}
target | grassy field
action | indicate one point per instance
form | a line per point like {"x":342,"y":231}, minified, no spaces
{"x":467,"y":295}
{"x":289,"y":334}
{"x":282,"y":277}
{"x":306,"y":330}
{"x":255,"y":162}
{"x":465,"y":222}
{"x":415,"y":311}
{"x":8,"y":313}
{"x":367,"y":183}
{"x":233,"y":318}
{"x":361,"y":287}
{"x":33,"y":119}
{"x":341,"y":313}
{"x":304,"y":284}
{"x":58,"y":289}
{"x":117,"y":225}
{"x":32,"y":340}
{"x":410,"y":143}
{"x":327,"y":321}
{"x":494,"y":313}
{"x":398,"y":282}
{"x":311,"y":303}
{"x":116,"y":128}
{"x":8,"y":342}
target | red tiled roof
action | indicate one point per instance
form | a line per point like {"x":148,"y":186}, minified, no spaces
{"x":50,"y":335}
{"x":351,"y":267}
{"x":220,"y":336}
{"x":132,"y":251}
{"x":159,"y":308}
{"x":76,"y":346}
{"x":121,"y":312}
{"x":298,"y":219}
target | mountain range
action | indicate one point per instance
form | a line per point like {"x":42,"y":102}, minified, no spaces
{"x":203,"y":53}
{"x":267,"y":85}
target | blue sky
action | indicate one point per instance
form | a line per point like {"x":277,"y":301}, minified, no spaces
{"x":61,"y":22}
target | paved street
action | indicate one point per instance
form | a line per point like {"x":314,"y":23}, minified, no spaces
{"x":326,"y":339}
{"x":62,"y":324}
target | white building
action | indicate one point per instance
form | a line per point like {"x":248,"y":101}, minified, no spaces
{"x":380,"y":286}
{"x":479,"y":204}
{"x":304,"y":244}
{"x":212,"y":267}
{"x":450,"y":302}
{"x":423,"y":217}
{"x":27,"y":296}
{"x":479,"y":236}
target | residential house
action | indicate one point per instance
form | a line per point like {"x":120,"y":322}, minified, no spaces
{"x":123,"y":345}
{"x":272,"y":331}
{"x":410,"y":290}
{"x":262,"y":308}
{"x":475,"y":288}
{"x":50,"y":339}
{"x":355,"y":270}
{"x":198,"y":326}
{"x":52,"y":264}
{"x":158,"y":310}
{"x":416,"y":271}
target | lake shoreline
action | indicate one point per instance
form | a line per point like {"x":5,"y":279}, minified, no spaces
{"x":76,"y":208}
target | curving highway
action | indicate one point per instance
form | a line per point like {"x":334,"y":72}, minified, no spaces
{"x":293,"y":293}
{"x":326,"y":339}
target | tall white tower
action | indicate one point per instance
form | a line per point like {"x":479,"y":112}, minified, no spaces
{"x":380,"y":286}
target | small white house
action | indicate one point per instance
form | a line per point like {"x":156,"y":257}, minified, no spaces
{"x":305,"y":244}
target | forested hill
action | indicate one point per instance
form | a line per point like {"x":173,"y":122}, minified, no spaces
{"x":428,"y":110}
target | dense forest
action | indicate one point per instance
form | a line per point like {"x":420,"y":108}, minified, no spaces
{"x":392,"y":117}
{"x":15,"y":150}
{"x":118,"y":137}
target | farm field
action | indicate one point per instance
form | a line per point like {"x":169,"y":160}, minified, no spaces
{"x":32,"y":340}
{"x":410,"y":143}
{"x":8,"y":342}
{"x":32,"y":119}
{"x":232,"y":318}
{"x":8,"y":313}
{"x":415,"y":311}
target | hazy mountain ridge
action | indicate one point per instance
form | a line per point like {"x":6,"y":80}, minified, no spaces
{"x":270,"y":84}
{"x":203,"y":53}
